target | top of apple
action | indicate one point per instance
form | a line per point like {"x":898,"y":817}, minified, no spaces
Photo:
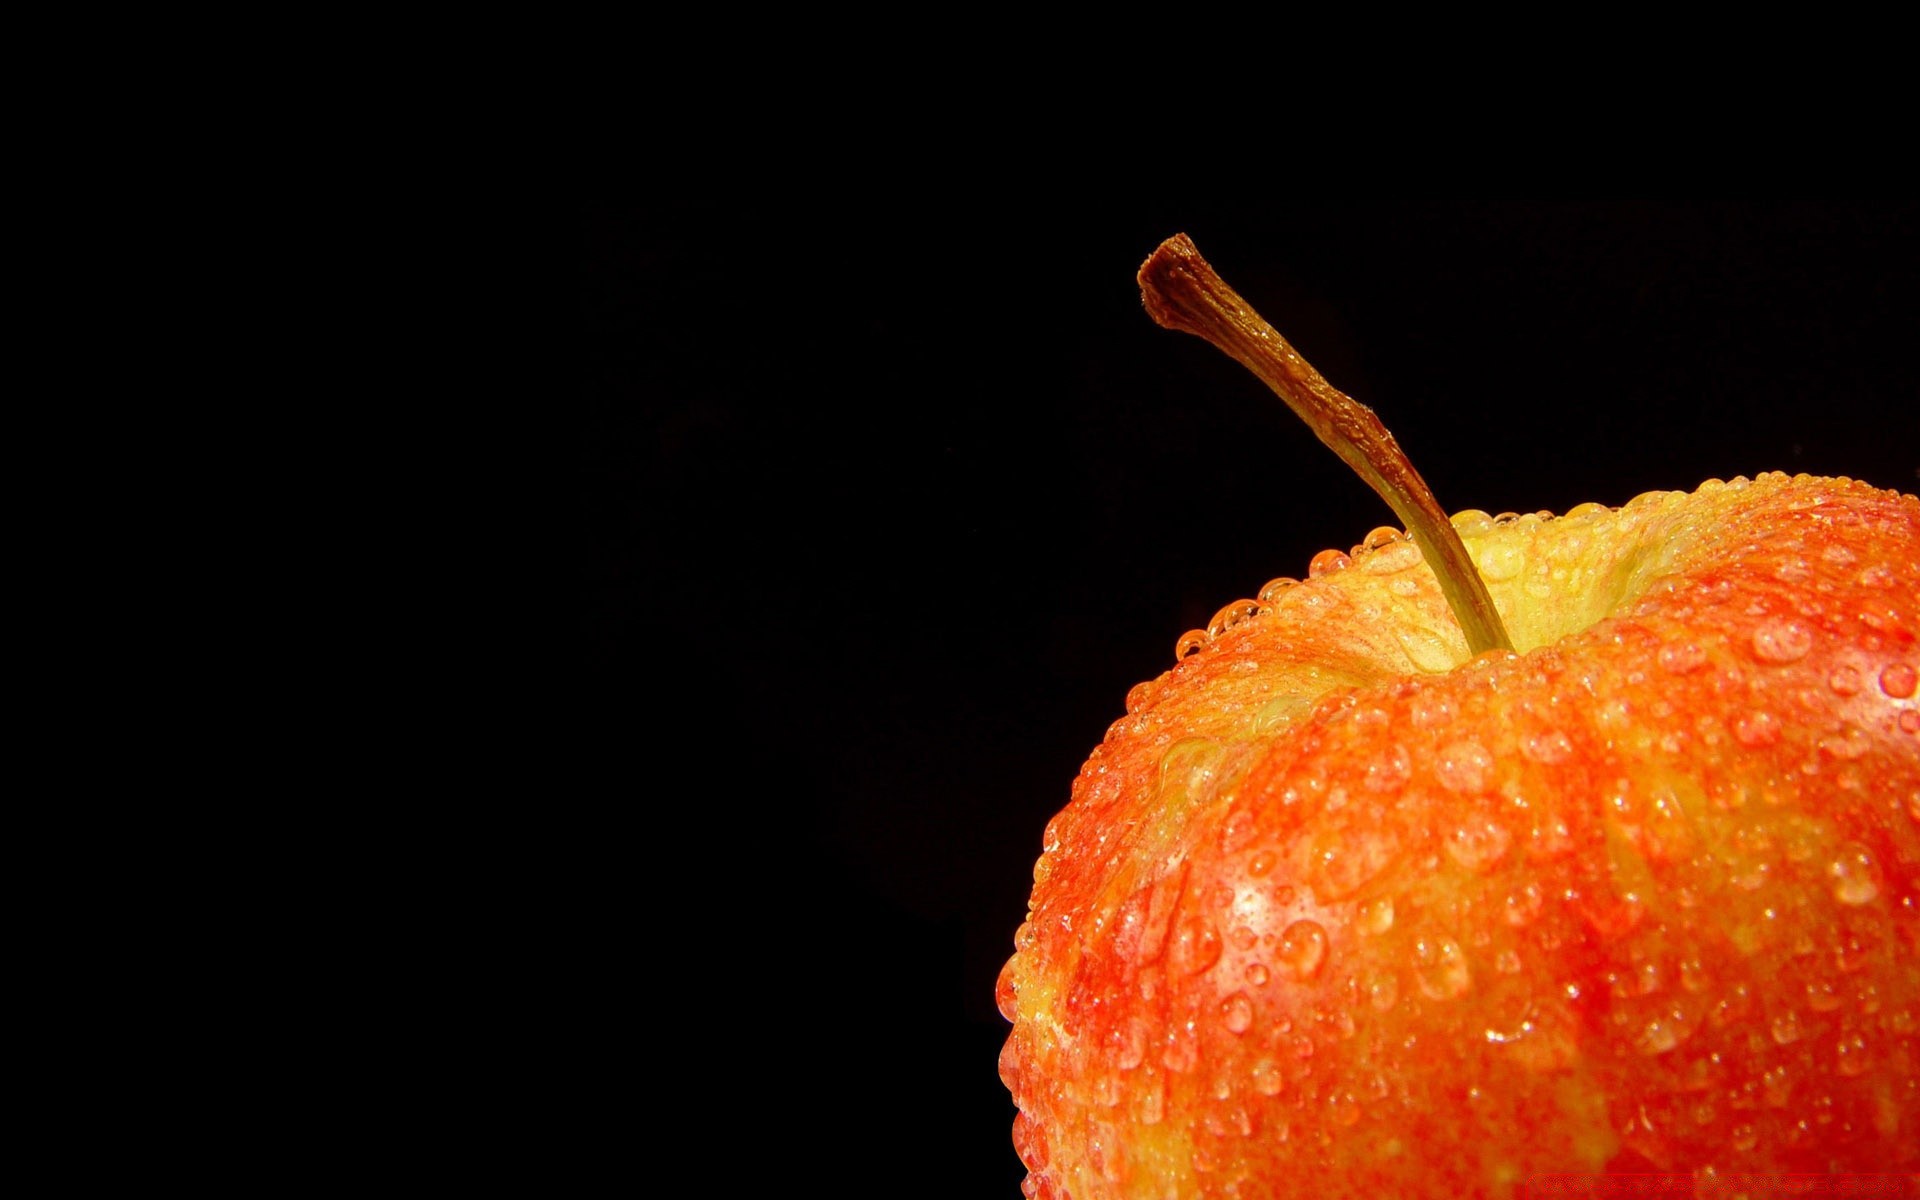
{"x":1357,"y":901}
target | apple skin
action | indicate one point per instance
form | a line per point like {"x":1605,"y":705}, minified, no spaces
{"x":1336,"y":912}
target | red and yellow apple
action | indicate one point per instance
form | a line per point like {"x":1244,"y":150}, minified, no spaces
{"x":1342,"y":908}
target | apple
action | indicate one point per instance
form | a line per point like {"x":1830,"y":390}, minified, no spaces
{"x":1597,"y":848}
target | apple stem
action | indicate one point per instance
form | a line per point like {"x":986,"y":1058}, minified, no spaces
{"x":1182,"y":292}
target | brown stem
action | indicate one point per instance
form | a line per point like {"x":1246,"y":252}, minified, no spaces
{"x":1181,"y":291}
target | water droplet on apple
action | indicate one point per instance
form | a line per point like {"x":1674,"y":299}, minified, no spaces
{"x":1898,"y":680}
{"x":1441,"y":969}
{"x":1776,"y":641}
{"x":1231,"y":615}
{"x":1182,"y":1050}
{"x":1756,"y":728}
{"x":1822,"y":996}
{"x":1426,"y":649}
{"x":1523,"y":905}
{"x":1431,"y":709}
{"x":1383,"y":992}
{"x":1786,"y":1028}
{"x":1267,"y":1079}
{"x":1855,"y":881}
{"x":1501,"y":561}
{"x":1658,"y":1036}
{"x":1149,"y":1104}
{"x":1327,"y":562}
{"x":1547,"y":747}
{"x":1344,"y":1109}
{"x":1236,"y":1013}
{"x":1681,"y":658}
{"x":1389,"y":770}
{"x":1851,"y":1055}
{"x":1392,"y":558}
{"x":1844,"y":679}
{"x":1479,"y":845}
{"x":1005,"y":994}
{"x":1196,"y":947}
{"x":1464,"y":767}
{"x":1303,"y":949}
{"x":1375,"y":917}
{"x":1850,"y":743}
{"x":1270,"y":594}
{"x":1471,"y":522}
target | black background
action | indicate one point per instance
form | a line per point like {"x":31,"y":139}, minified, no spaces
{"x":889,"y":494}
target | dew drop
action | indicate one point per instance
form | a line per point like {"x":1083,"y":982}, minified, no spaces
{"x":1391,"y":559}
{"x":1844,"y":680}
{"x":1877,"y":576}
{"x":1383,"y":992}
{"x":1149,"y":1103}
{"x":1853,"y":875}
{"x":1910,"y":720}
{"x":1426,"y":649}
{"x":1303,"y":949}
{"x":1524,"y":904}
{"x":1471,"y":522}
{"x":1140,"y":693}
{"x":1850,"y":743}
{"x":1388,"y":770}
{"x":1327,"y":562}
{"x":1822,"y":996}
{"x":1257,"y":974}
{"x":1681,"y":658}
{"x":1898,"y":680}
{"x":1375,"y":916}
{"x":1757,"y":728}
{"x":1548,"y":747}
{"x":1182,"y":1050}
{"x":1501,"y":561}
{"x":1852,"y":1055}
{"x":1432,"y":709}
{"x":1441,"y":968}
{"x":1191,"y":643}
{"x":1781,"y":641}
{"x":1464,"y":767}
{"x":1267,"y":1079}
{"x":1005,"y":994}
{"x":1344,"y":1108}
{"x":1786,"y":1028}
{"x":1479,"y":846}
{"x":1276,"y":588}
{"x":1745,"y":1137}
{"x":1231,"y":615}
{"x":1657,"y":1037}
{"x":1196,"y":947}
{"x":1236,"y":1013}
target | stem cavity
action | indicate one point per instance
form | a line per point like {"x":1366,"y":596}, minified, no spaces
{"x":1182,"y":292}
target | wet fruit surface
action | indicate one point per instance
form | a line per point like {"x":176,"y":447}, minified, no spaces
{"x":1336,"y":911}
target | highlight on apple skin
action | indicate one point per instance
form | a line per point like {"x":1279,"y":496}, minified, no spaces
{"x":1342,"y":908}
